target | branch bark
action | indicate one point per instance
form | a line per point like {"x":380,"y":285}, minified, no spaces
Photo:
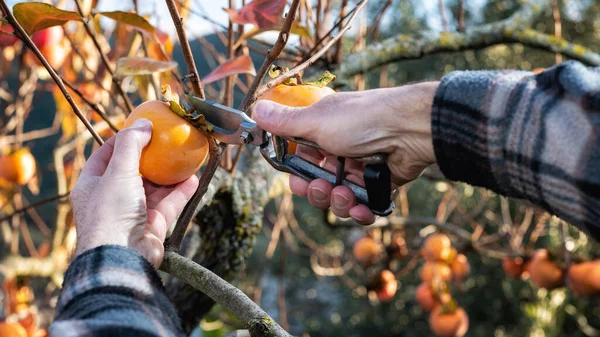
{"x":187,"y":51}
{"x":515,"y":29}
{"x":215,"y":151}
{"x":229,"y":297}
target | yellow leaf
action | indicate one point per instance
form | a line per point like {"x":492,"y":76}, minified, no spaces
{"x":129,"y":66}
{"x":132,"y":19}
{"x":36,"y":16}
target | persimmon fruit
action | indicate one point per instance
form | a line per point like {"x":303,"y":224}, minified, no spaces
{"x":296,"y":95}
{"x":513,"y":267}
{"x":436,"y":270}
{"x":426,"y":297}
{"x":453,"y":323}
{"x":12,"y":330}
{"x":460,"y":267}
{"x":18,"y":167}
{"x":388,"y":285}
{"x":176,"y":150}
{"x":437,"y":247}
{"x":545,"y":273}
{"x":584,"y":278}
{"x":367,"y":250}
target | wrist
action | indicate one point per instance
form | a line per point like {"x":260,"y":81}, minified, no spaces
{"x":413,"y":119}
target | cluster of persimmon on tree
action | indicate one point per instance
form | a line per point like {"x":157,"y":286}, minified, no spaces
{"x":547,"y":269}
{"x":442,"y":266}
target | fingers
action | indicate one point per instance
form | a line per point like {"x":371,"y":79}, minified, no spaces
{"x":165,"y":205}
{"x":362,"y":214}
{"x":342,"y":200}
{"x":285,"y":121}
{"x":98,"y":161}
{"x":319,"y":193}
{"x":128,"y":148}
{"x":299,"y":186}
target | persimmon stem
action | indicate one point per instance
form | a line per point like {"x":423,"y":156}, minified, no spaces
{"x":27,"y":40}
{"x":104,"y":59}
{"x":272,"y":55}
{"x":187,"y":50}
{"x":215,"y":151}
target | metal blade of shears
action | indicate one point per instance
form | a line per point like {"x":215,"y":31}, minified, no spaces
{"x":229,"y":125}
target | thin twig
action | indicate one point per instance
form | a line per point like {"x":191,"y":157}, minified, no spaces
{"x":187,"y":50}
{"x":461,"y":16}
{"x":215,"y":151}
{"x":34,"y":205}
{"x":27,"y":40}
{"x":94,"y":106}
{"x":104,"y":58}
{"x":297,"y":70}
{"x":375,"y":27}
{"x":340,"y":46}
{"x":443,"y":15}
{"x":557,"y":26}
{"x":272,"y":55}
{"x":283,"y":320}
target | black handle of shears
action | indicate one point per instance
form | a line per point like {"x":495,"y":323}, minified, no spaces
{"x":377,"y":195}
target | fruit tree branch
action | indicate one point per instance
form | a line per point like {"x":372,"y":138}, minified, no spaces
{"x":298,"y":69}
{"x":272,"y":55}
{"x":104,"y":59}
{"x":193,"y":75}
{"x":215,"y":151}
{"x":229,"y":297}
{"x":27,"y":40}
{"x":514,"y":29}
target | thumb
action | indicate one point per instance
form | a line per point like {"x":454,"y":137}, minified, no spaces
{"x":285,"y":121}
{"x":128,"y":148}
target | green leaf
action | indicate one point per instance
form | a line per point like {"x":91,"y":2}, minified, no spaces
{"x":131,"y":19}
{"x":36,"y":16}
{"x":129,"y":66}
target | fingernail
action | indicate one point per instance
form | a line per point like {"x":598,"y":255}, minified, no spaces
{"x":263,"y":110}
{"x":340,"y":200}
{"x":142,"y":123}
{"x":318,"y":194}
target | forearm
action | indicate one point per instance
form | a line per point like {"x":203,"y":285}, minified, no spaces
{"x":525,"y":136}
{"x":112,"y":290}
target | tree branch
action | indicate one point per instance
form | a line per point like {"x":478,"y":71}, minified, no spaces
{"x":215,"y":151}
{"x":193,"y":75}
{"x":512,"y":30}
{"x":272,"y":55}
{"x":229,"y":297}
{"x":27,"y":40}
{"x":104,"y":59}
{"x":298,"y":69}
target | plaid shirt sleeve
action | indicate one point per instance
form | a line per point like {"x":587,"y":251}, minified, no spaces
{"x":113,"y":291}
{"x":534,"y":137}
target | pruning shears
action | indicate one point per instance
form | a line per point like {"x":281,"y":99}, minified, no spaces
{"x":233,"y":126}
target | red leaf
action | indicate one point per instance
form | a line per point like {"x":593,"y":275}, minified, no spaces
{"x":240,"y":65}
{"x":264,"y":14}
